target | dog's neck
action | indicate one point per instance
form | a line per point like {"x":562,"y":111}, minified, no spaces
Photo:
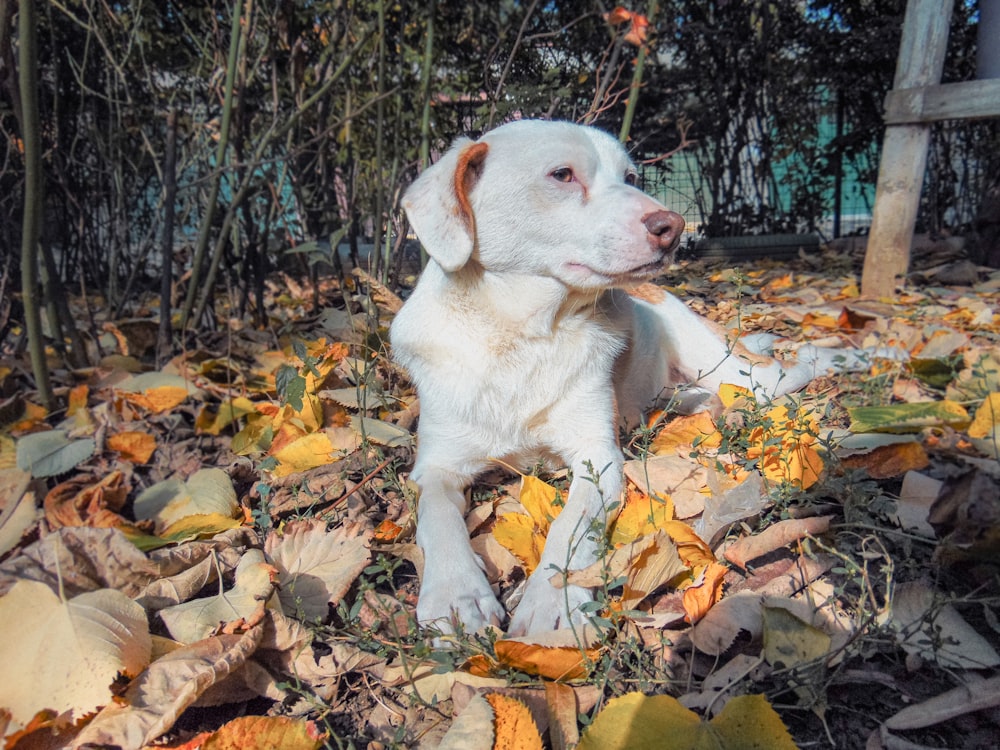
{"x":553,"y":303}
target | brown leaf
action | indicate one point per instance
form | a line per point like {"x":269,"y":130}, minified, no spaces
{"x":155,"y":699}
{"x":887,"y":461}
{"x":774,"y":537}
{"x":87,"y":501}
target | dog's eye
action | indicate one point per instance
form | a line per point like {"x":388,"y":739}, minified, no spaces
{"x":631,"y":178}
{"x":562,"y":174}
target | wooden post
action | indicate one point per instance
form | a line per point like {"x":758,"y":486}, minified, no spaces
{"x":904,"y":150}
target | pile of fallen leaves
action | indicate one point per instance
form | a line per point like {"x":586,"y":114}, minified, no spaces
{"x":219,"y":552}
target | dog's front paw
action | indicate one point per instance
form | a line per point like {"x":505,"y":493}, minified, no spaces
{"x":543,"y":608}
{"x":466,"y":600}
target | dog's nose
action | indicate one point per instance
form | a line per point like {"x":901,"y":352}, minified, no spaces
{"x":666,"y":227}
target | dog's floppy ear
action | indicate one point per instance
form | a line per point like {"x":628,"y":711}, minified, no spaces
{"x":438,"y":207}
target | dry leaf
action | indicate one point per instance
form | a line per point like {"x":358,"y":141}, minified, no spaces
{"x":681,"y":480}
{"x":887,"y":461}
{"x":691,"y":431}
{"x":517,"y":532}
{"x":641,"y":515}
{"x":472,"y":729}
{"x":717,"y":630}
{"x":562,"y":708}
{"x":703,"y":594}
{"x":154,"y":701}
{"x":17,"y":508}
{"x":87,"y":501}
{"x":316,"y":567}
{"x":977,"y":695}
{"x":137,"y":447}
{"x":555,"y":655}
{"x":304,"y":453}
{"x":785,"y":448}
{"x":774,"y":537}
{"x":196,"y":619}
{"x":65,"y":655}
{"x":936,"y":631}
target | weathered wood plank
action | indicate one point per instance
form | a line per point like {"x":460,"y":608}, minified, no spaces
{"x":904,"y":150}
{"x":968,"y":100}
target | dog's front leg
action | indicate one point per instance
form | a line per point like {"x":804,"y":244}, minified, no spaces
{"x":574,"y":542}
{"x":453,"y":586}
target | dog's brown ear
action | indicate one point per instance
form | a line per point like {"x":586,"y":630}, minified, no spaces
{"x":438,"y":205}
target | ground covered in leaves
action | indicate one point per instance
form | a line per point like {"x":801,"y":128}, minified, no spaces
{"x":218,"y":552}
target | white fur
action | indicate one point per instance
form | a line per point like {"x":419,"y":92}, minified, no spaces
{"x":523,"y":345}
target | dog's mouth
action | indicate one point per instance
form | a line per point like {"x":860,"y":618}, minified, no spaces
{"x":629,"y":276}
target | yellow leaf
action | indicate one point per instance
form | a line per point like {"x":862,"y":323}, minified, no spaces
{"x":307,"y":452}
{"x":136,"y":447}
{"x":987,"y":417}
{"x":784,"y":448}
{"x":199,"y":526}
{"x":789,"y":641}
{"x":539,"y":499}
{"x":729,"y":394}
{"x":692,"y":430}
{"x":517,"y":532}
{"x":208,"y":490}
{"x":640,"y":515}
{"x":639,"y":722}
{"x":213,"y":421}
{"x":692,"y":549}
{"x":513,"y":726}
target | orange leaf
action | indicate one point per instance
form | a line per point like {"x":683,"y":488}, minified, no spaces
{"x":552,"y":662}
{"x":263,"y":733}
{"x":513,"y":726}
{"x":84,"y":501}
{"x":77,"y":399}
{"x":702,"y":595}
{"x":888,"y":461}
{"x":618,"y":16}
{"x":638,"y":32}
{"x":387,"y":531}
{"x":136,"y":447}
{"x":159,"y":399}
{"x":819,"y":320}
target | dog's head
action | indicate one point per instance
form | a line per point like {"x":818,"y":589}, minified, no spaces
{"x":544,"y":198}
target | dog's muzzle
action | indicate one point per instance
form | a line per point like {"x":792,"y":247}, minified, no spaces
{"x":665,"y":229}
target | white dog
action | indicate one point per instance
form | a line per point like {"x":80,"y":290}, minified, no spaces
{"x":530,"y":335}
